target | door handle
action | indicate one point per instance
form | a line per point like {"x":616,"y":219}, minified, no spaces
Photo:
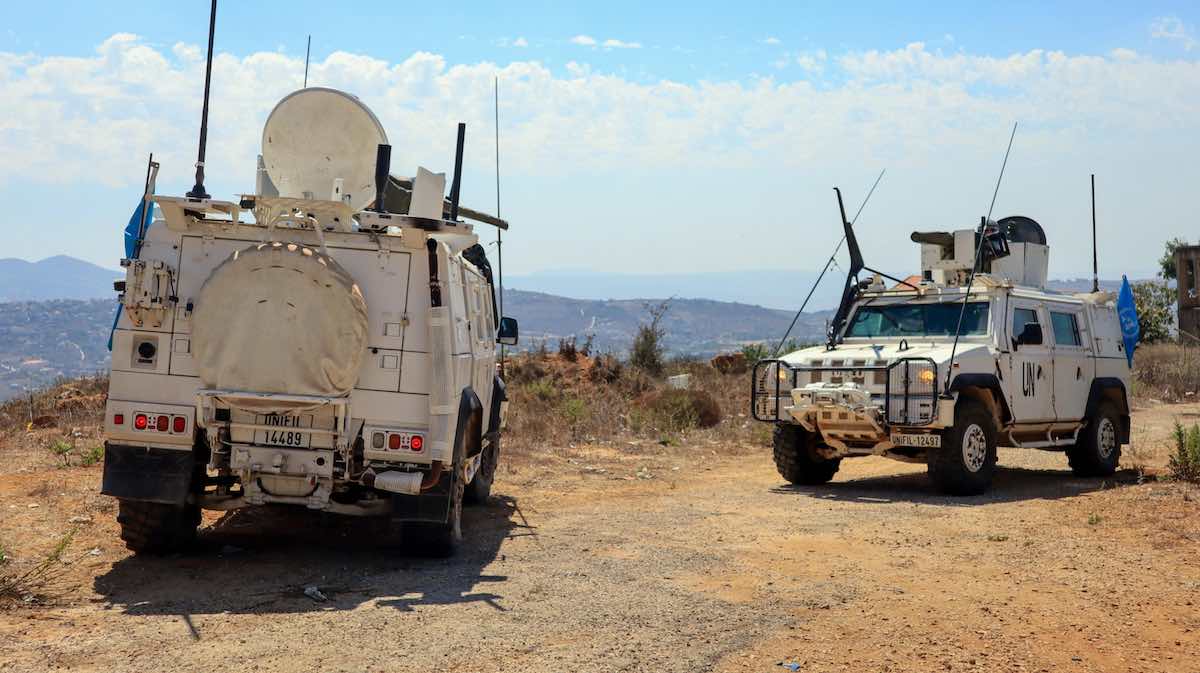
{"x":1078,"y":373}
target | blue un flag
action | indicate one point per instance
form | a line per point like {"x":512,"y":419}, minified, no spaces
{"x":1127,"y":313}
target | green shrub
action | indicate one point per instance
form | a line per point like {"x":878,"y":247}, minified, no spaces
{"x":647,"y":351}
{"x":755,"y":352}
{"x":673,"y":410}
{"x":92,"y":456}
{"x":1156,"y":310}
{"x":542,"y":389}
{"x":1185,"y":463}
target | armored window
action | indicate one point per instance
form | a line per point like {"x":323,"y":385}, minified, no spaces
{"x":1021,"y":316}
{"x":908,"y":320}
{"x":1066,"y":329}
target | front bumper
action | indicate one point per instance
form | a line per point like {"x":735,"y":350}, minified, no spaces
{"x":837,"y":402}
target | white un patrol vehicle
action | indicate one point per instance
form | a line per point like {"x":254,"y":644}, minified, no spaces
{"x":1029,"y":368}
{"x":328,"y":342}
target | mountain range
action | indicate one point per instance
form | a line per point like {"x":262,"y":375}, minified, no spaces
{"x":55,"y":314}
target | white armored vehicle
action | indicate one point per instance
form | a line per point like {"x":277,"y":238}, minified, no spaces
{"x":327,"y":342}
{"x":943,"y":367}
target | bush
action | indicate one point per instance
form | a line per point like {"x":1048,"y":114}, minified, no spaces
{"x":755,"y":352}
{"x":567,"y":349}
{"x":542,"y":390}
{"x":673,"y":410}
{"x":1185,"y":463}
{"x":1156,"y":310}
{"x":647,"y":351}
{"x":605,"y":369}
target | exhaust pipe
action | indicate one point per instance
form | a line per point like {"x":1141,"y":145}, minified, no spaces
{"x":404,"y":483}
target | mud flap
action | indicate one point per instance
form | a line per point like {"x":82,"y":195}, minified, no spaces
{"x":147,"y":474}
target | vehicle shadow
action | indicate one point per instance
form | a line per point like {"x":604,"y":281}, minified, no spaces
{"x":268,"y":560}
{"x":1011,"y":484}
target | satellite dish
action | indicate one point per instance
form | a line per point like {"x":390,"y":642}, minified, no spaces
{"x":315,"y":136}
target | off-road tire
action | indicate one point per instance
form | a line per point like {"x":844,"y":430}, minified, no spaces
{"x":155,"y":528}
{"x":480,"y":489}
{"x":1098,"y":450}
{"x":966,"y":461}
{"x":796,"y":460}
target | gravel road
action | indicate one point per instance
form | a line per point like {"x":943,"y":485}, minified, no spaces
{"x":686,"y":561}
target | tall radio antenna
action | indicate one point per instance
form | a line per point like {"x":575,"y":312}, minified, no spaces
{"x":978,"y":255}
{"x":307,"y":52}
{"x":1095,"y":263}
{"x":198,"y":191}
{"x":499,"y":230}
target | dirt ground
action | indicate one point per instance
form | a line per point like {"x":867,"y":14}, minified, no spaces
{"x":643,"y":558}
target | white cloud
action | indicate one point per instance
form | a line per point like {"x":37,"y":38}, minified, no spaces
{"x":812,"y":61}
{"x":584,"y":40}
{"x":613,"y":43}
{"x":935,"y":120}
{"x":1173,"y":29}
{"x":771,"y":41}
{"x":520,"y":42}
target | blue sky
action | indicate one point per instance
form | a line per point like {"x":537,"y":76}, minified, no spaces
{"x":638,"y":136}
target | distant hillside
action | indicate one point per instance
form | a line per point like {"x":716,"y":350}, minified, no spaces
{"x":58,"y":277}
{"x":43,"y":340}
{"x":692,"y":326}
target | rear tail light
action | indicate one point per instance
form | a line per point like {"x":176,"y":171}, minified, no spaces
{"x":164,"y":424}
{"x":416,"y":443}
{"x":140,"y":422}
{"x":118,"y":419}
{"x":377,"y":440}
{"x":178,"y":424}
{"x":393,"y":442}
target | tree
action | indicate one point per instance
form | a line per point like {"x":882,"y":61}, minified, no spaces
{"x":1166,"y":263}
{"x":647,"y":351}
{"x":1156,"y":310}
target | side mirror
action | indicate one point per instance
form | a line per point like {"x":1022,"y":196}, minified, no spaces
{"x":508,"y":332}
{"x":1031,"y":335}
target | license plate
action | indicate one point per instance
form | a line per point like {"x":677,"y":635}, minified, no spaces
{"x":282,"y":432}
{"x":921,"y":441}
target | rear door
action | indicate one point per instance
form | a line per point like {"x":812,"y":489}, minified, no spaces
{"x":1073,"y":365}
{"x":1030,"y":381}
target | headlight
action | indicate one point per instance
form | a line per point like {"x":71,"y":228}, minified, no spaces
{"x":783,"y":373}
{"x":926,"y":376}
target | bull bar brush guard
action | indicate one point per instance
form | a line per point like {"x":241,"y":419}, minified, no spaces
{"x":904,"y":389}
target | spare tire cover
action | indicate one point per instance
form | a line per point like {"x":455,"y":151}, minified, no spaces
{"x":280,"y":318}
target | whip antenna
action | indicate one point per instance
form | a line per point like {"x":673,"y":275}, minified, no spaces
{"x":307,"y":52}
{"x":828,"y":263}
{"x":198,"y":191}
{"x":1095,"y":264}
{"x":978,"y":255}
{"x":499,"y":231}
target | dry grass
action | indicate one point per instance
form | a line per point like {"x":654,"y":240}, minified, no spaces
{"x":58,"y":425}
{"x":35,"y":582}
{"x":556,"y":401}
{"x":1167,"y":371}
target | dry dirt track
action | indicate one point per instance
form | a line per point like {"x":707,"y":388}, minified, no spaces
{"x":715,"y":566}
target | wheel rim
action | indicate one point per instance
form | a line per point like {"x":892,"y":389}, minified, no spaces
{"x":1106,"y":438}
{"x":974,"y":448}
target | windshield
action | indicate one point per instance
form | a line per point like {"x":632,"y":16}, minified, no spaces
{"x":908,"y":320}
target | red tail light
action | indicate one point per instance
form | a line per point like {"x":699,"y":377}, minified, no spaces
{"x":164,"y":424}
{"x":416,"y":443}
{"x":118,"y":419}
{"x":393,"y":442}
{"x":178,"y":424}
{"x":140,"y":422}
